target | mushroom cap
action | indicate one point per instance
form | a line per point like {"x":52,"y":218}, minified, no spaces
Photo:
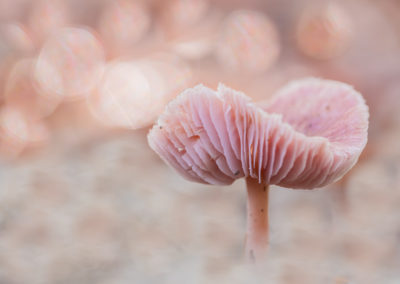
{"x":308,"y":136}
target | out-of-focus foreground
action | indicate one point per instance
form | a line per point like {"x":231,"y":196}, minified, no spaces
{"x":83,"y":199}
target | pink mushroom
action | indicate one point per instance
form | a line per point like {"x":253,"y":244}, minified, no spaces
{"x":308,"y":136}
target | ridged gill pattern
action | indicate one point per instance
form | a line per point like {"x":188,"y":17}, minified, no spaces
{"x":308,"y":136}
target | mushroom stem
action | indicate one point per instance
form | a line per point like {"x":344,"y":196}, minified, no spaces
{"x":257,"y":220}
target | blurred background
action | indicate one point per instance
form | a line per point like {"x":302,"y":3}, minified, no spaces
{"x":83,"y":199}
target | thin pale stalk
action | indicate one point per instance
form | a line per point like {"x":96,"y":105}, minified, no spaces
{"x":257,"y":220}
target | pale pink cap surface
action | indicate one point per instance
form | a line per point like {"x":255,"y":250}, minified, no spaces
{"x":309,"y":135}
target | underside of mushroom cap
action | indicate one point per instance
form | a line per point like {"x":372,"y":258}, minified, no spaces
{"x":324,"y":108}
{"x":216,"y":137}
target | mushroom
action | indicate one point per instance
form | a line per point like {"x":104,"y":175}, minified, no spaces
{"x":309,"y":135}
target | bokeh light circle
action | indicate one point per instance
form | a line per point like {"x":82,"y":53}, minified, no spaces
{"x":133,"y":93}
{"x":249,"y":40}
{"x":324,"y":32}
{"x":123,"y":23}
{"x":21,"y":94}
{"x":70,"y":64}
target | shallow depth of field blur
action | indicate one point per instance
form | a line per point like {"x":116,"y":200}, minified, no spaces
{"x":83,"y":199}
